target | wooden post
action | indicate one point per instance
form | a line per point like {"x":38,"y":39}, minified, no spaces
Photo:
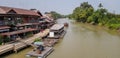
{"x":24,"y":35}
{"x":15,"y":50}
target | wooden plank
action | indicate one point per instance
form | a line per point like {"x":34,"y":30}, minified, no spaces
{"x":6,"y":48}
{"x":24,"y":42}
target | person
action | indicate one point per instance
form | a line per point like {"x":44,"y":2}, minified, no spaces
{"x":41,"y":48}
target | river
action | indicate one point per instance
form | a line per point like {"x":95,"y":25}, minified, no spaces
{"x":83,"y":41}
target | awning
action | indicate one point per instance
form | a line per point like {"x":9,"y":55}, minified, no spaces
{"x":38,"y":43}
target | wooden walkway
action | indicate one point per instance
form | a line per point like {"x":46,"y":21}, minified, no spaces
{"x":25,"y":42}
{"x":6,"y":48}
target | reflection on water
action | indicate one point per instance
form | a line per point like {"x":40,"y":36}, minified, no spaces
{"x":20,"y":54}
{"x":83,"y":41}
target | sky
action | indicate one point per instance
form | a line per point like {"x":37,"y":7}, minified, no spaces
{"x":61,"y":6}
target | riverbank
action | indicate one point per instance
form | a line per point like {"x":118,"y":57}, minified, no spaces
{"x":99,"y":27}
{"x":87,"y":41}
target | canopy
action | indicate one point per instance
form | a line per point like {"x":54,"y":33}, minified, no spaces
{"x":38,"y":43}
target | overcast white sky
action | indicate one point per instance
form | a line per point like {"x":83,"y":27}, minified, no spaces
{"x":60,"y":6}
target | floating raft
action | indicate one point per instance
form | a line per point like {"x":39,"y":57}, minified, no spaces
{"x":44,"y":53}
{"x":50,"y":42}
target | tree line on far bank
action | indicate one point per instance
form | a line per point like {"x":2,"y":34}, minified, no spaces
{"x":56,"y":15}
{"x":87,"y":14}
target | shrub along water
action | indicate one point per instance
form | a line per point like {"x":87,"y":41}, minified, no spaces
{"x":37,"y":40}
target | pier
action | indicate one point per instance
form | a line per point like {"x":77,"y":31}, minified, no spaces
{"x":23,"y":43}
{"x":6,"y":48}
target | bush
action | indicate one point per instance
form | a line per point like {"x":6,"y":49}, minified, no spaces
{"x":37,"y":40}
{"x":29,"y":34}
{"x":1,"y":39}
{"x":114,"y":26}
{"x":6,"y":39}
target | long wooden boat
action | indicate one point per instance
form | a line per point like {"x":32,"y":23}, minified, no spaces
{"x":57,"y":31}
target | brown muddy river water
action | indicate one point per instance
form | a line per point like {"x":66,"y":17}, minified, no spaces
{"x":82,"y":41}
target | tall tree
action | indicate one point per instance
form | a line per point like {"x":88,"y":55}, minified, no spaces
{"x":82,"y":12}
{"x":55,"y":15}
{"x":100,"y":5}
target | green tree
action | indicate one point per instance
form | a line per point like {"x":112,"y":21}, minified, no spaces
{"x":100,"y":5}
{"x":82,"y":12}
{"x":86,"y":13}
{"x":56,"y":15}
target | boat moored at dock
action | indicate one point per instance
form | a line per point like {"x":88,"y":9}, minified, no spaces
{"x":41,"y":54}
{"x":66,"y":24}
{"x":50,"y":42}
{"x":57,"y":31}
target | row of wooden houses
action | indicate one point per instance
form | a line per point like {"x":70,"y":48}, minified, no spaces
{"x":16,"y":22}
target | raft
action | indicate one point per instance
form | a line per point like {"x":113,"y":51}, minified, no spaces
{"x":50,"y":42}
{"x":43,"y":54}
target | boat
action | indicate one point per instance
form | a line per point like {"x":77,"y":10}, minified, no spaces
{"x":56,"y":31}
{"x":50,"y":42}
{"x":66,"y":24}
{"x":42,"y":54}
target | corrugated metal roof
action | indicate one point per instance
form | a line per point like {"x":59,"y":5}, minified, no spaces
{"x":2,"y":11}
{"x":57,"y":27}
{"x":5,"y":10}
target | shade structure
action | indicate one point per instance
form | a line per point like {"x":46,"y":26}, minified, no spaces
{"x":38,"y":43}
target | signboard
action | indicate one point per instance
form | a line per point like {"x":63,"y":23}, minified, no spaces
{"x":51,"y":34}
